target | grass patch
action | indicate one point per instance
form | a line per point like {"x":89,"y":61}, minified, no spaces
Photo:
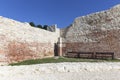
{"x":61,"y":59}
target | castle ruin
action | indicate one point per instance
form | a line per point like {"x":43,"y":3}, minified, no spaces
{"x":95,"y":32}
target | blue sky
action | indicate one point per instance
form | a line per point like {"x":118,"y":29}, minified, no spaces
{"x":60,"y":12}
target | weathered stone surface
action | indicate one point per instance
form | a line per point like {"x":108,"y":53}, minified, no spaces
{"x":95,"y":32}
{"x":19,"y":41}
{"x":62,"y":71}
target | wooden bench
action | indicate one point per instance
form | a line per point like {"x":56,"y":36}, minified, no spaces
{"x":104,"y":55}
{"x":96,"y":55}
{"x":85,"y":54}
{"x":80,"y":54}
{"x":72,"y":54}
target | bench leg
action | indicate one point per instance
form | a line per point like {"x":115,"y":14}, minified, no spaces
{"x":113,"y":56}
{"x":78,"y":55}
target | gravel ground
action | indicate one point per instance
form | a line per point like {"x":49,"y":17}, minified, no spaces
{"x":62,"y":71}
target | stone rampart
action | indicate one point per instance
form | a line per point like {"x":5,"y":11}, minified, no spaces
{"x":97,"y":32}
{"x":20,"y":41}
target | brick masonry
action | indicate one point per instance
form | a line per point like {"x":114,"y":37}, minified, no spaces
{"x":91,"y":47}
{"x":18,"y":51}
{"x":109,"y":43}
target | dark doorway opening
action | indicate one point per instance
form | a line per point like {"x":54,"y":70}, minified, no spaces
{"x":55,"y":49}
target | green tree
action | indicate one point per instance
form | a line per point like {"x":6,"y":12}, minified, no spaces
{"x":39,"y":26}
{"x":45,"y":27}
{"x":32,"y":24}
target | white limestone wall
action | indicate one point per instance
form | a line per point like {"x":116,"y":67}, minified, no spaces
{"x":97,"y":22}
{"x":13,"y":30}
{"x":97,"y":32}
{"x":19,"y":41}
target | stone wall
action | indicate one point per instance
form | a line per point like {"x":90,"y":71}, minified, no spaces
{"x":52,"y":28}
{"x":97,"y":32}
{"x":19,"y":41}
